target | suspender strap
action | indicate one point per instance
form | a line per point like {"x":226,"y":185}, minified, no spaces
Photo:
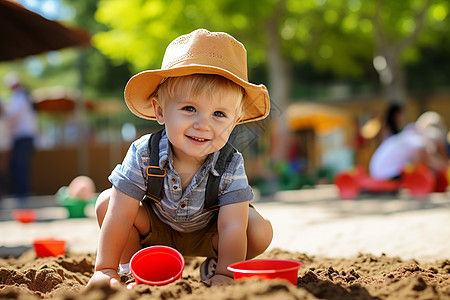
{"x":155,"y":176}
{"x":212,"y":185}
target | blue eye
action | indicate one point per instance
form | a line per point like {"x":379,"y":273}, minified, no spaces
{"x":219,"y":114}
{"x":189,"y":108}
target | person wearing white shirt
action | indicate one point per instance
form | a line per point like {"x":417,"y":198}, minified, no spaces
{"x":5,"y":147}
{"x":419,"y":143}
{"x":22,"y":122}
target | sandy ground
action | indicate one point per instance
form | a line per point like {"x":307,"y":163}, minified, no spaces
{"x":369,"y":248}
{"x":311,"y":221}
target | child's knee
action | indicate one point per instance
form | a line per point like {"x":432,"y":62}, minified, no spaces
{"x":264,"y":234}
{"x":101,"y":204}
{"x":259,"y":231}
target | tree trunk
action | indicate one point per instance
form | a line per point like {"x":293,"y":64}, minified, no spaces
{"x":393,"y":76}
{"x":392,"y":72}
{"x":279,"y":89}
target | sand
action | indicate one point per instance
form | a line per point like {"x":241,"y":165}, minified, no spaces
{"x":369,"y":248}
{"x":362,"y":277}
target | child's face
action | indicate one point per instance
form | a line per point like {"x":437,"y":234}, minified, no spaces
{"x":197,"y":126}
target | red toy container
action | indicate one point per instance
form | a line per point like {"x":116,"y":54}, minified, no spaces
{"x":348,"y":186}
{"x":49,"y":247}
{"x":24,"y":215}
{"x":157,"y":265}
{"x":267,"y":269}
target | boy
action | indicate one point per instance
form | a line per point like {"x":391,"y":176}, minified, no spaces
{"x":200,"y":94}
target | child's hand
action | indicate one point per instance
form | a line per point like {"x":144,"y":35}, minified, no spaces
{"x":105,"y":275}
{"x":219,"y":280}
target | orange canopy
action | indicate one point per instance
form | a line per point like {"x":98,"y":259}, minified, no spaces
{"x":24,"y":33}
{"x":321,"y":118}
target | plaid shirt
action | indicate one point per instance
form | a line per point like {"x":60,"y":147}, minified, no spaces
{"x":182,"y":210}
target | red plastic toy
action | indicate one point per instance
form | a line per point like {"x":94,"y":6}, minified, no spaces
{"x":157,"y":265}
{"x":24,"y":215}
{"x":267,"y":269}
{"x":418,"y":180}
{"x":45,"y":247}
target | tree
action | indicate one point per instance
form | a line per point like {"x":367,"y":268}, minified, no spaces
{"x":393,"y":31}
{"x":341,"y":36}
{"x":102,"y":78}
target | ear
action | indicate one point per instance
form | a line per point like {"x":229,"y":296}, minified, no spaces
{"x":159,"y":112}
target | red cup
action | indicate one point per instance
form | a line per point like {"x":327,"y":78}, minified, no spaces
{"x":157,"y":265}
{"x":348,"y":186}
{"x":49,"y":247}
{"x":267,"y":269}
{"x":24,"y":215}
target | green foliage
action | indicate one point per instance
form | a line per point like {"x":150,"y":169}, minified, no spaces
{"x":102,"y":76}
{"x":140,"y":30}
{"x":62,"y":74}
{"x":331,"y":35}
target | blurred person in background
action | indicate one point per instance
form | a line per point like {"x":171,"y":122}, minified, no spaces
{"x":422,"y":142}
{"x":393,"y":121}
{"x":5,"y":145}
{"x":21,"y":119}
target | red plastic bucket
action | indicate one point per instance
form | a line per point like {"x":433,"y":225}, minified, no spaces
{"x":157,"y":265}
{"x":24,"y":215}
{"x":49,"y":247}
{"x":267,"y":269}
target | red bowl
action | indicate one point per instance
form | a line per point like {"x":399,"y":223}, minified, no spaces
{"x":157,"y":265}
{"x":267,"y":269}
{"x":24,"y":215}
{"x":49,"y":247}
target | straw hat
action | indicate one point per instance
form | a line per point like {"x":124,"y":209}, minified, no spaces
{"x":199,"y":52}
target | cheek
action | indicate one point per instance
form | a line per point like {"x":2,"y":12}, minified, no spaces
{"x":175,"y":120}
{"x":174,"y":126}
{"x":225,"y":132}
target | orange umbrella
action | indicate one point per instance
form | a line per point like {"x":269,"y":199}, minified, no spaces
{"x":24,"y":33}
{"x":321,"y":118}
{"x":57,"y":100}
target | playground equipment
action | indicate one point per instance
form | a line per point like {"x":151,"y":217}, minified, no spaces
{"x":418,"y":180}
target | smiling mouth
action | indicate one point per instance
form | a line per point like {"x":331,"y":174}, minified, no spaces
{"x":197,"y":139}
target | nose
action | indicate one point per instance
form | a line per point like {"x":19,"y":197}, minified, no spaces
{"x":202,"y":122}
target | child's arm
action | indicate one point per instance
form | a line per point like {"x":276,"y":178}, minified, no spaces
{"x":232,"y":227}
{"x":122,"y":211}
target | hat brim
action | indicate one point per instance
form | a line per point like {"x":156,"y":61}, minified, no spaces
{"x":141,"y":86}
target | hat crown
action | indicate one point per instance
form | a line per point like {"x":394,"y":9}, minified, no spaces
{"x":200,"y":52}
{"x":211,"y":49}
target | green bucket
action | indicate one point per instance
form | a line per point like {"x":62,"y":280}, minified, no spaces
{"x":75,"y":206}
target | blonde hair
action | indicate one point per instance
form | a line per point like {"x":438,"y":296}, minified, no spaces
{"x":201,"y":84}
